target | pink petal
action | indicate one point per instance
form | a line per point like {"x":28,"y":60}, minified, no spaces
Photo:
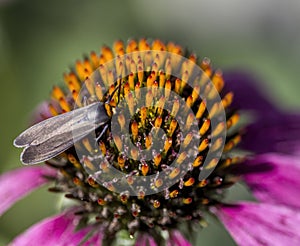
{"x":274,"y":129}
{"x":145,"y":239}
{"x":176,"y":239}
{"x":58,"y":230}
{"x":252,"y":224}
{"x":87,"y":236}
{"x":18,"y":183}
{"x":274,"y":132}
{"x":51,"y":231}
{"x":40,"y":113}
{"x":249,"y":94}
{"x":288,"y":140}
{"x":279,"y":183}
{"x":96,"y":239}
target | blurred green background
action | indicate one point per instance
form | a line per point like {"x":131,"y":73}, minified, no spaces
{"x":39,"y":40}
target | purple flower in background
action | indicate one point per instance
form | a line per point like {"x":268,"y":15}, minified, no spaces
{"x":271,"y":171}
{"x":273,"y":130}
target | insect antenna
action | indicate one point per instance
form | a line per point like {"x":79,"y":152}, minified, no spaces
{"x":108,"y":104}
{"x":114,"y":91}
{"x":102,"y":132}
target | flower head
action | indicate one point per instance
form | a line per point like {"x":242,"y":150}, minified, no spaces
{"x":142,"y":88}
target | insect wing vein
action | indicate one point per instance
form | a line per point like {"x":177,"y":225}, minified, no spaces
{"x":51,"y":127}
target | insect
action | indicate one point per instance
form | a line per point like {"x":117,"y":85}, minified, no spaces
{"x":53,"y":136}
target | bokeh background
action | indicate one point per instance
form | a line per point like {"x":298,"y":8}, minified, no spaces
{"x":39,"y":40}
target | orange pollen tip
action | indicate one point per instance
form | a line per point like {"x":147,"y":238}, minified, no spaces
{"x":174,"y":193}
{"x":156,"y":204}
{"x":187,"y":139}
{"x":143,"y":113}
{"x":64,"y":104}
{"x":181,"y":157}
{"x":141,"y":195}
{"x":74,"y":161}
{"x":134,"y":153}
{"x":57,"y":93}
{"x":232,"y":121}
{"x":110,"y":187}
{"x":158,"y":183}
{"x":187,"y":200}
{"x":130,"y":180}
{"x":134,"y":128}
{"x":92,"y":182}
{"x":87,"y":144}
{"x":121,"y":161}
{"x":88,"y":163}
{"x":145,"y":169}
{"x":130,"y":101}
{"x":101,"y":201}
{"x":52,"y":110}
{"x":122,"y":121}
{"x":203,"y":145}
{"x":124,"y":198}
{"x":77,"y":181}
{"x":168,"y":144}
{"x":118,"y":142}
{"x":102,"y":148}
{"x":205,"y":126}
{"x":149,"y":99}
{"x":189,"y":182}
{"x":198,"y":161}
{"x":202,"y":183}
{"x":174,"y":173}
{"x":212,"y":164}
{"x":158,"y":122}
{"x":104,"y":166}
{"x":201,"y":110}
{"x":175,"y":108}
{"x":157,"y":160}
{"x":148,"y":141}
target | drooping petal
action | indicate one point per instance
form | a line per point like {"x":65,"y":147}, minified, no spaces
{"x":272,"y":130}
{"x":276,"y":132}
{"x":96,"y":239}
{"x":145,"y":239}
{"x":51,"y":231}
{"x":274,"y":178}
{"x":177,"y":239}
{"x":247,"y":95}
{"x":87,"y":236}
{"x":59,"y":230}
{"x":290,"y":135}
{"x":18,"y":183}
{"x":252,"y":224}
{"x":40,"y":113}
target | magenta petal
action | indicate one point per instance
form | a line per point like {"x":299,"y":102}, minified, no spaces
{"x":56,"y":230}
{"x":176,"y":239}
{"x":274,"y":132}
{"x":18,"y":183}
{"x":272,"y":129}
{"x":86,"y":236}
{"x":145,"y":239}
{"x":41,"y":112}
{"x":279,"y":183}
{"x":247,"y":91}
{"x":59,"y":231}
{"x":95,"y":239}
{"x":252,"y":224}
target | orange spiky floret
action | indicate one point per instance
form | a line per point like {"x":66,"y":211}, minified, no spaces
{"x":189,"y":195}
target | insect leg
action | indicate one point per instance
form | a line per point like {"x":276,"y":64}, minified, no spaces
{"x":103,"y":131}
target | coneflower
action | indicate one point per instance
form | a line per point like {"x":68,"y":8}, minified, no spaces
{"x":162,"y":161}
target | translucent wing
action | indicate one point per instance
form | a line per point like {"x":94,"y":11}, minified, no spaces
{"x":34,"y":154}
{"x":51,"y":137}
